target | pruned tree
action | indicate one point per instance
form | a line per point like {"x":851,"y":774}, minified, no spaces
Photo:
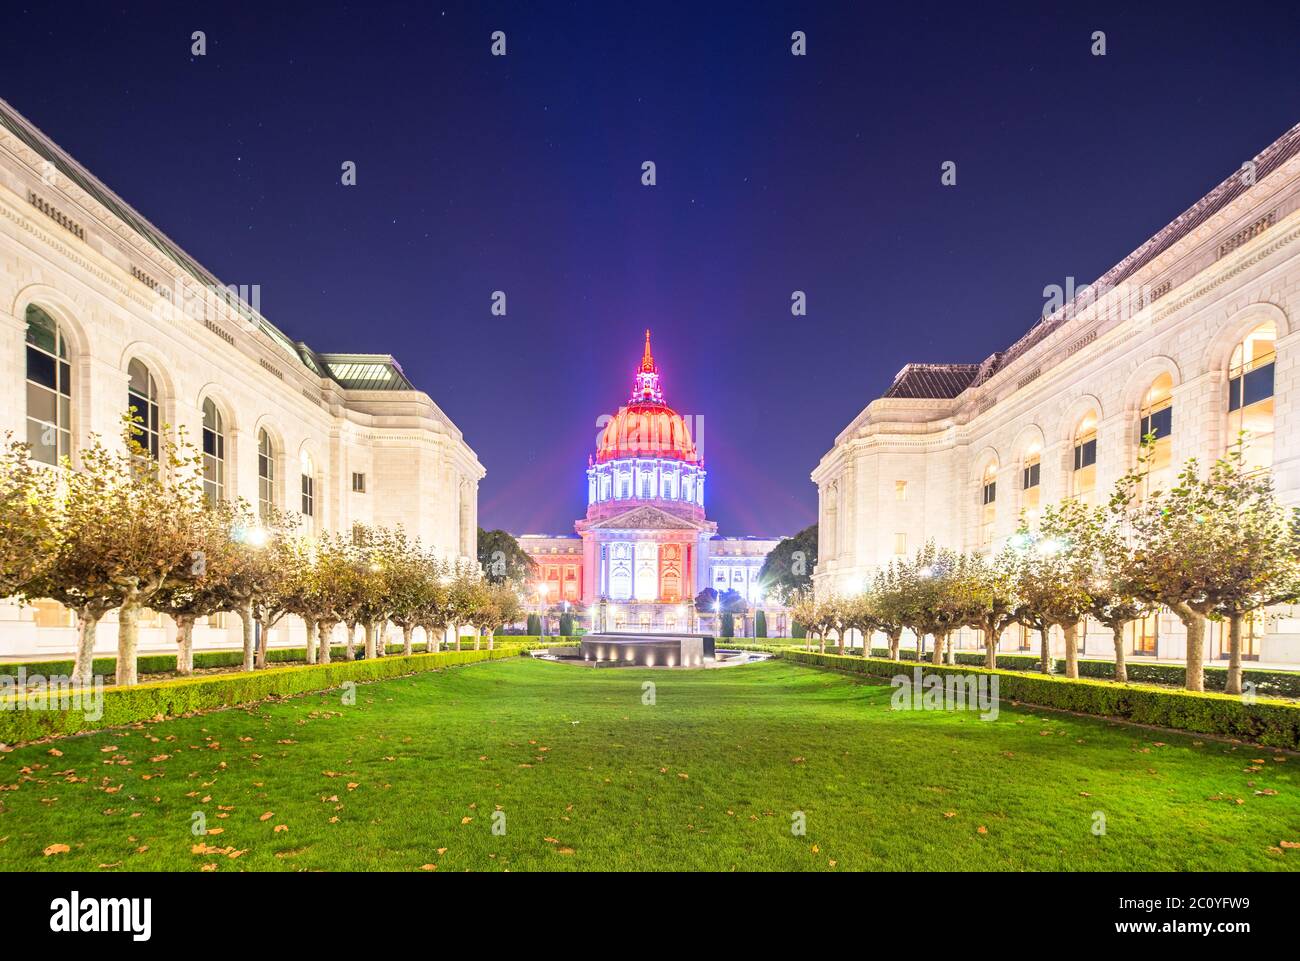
{"x":30,"y":518}
{"x":1058,"y":575}
{"x":508,"y":607}
{"x":198,"y":591}
{"x":1215,"y":546}
{"x":892,"y":600}
{"x":993,"y":601}
{"x":128,"y":525}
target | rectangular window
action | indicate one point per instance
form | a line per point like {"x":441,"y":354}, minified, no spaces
{"x":1250,"y":387}
{"x":900,"y":545}
{"x":1160,"y":423}
{"x":1085,"y":454}
{"x":900,"y":490}
{"x":358,"y":483}
{"x":308,"y":496}
{"x":1029,"y":476}
{"x":990,"y":492}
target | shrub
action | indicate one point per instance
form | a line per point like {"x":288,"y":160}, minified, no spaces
{"x":760,"y":624}
{"x":1273,"y":723}
{"x":129,"y":705}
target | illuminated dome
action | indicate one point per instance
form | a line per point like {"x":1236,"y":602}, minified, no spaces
{"x":646,"y":455}
{"x":646,"y":426}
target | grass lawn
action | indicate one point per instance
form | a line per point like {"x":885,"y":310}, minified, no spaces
{"x":589,"y":777}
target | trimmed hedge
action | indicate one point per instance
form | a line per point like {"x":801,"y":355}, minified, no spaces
{"x":1272,"y":723}
{"x":1278,"y":683}
{"x":165,"y":663}
{"x":143,"y":702}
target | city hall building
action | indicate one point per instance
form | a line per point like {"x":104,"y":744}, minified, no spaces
{"x":645,"y":548}
{"x":1191,"y":337}
{"x":100,"y":312}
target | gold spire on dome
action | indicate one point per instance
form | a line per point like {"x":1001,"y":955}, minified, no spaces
{"x":645,"y":385}
{"x":647,"y":359}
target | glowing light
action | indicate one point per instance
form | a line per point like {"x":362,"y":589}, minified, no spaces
{"x":252,"y":536}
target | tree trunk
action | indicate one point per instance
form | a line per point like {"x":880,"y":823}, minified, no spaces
{"x":370,"y":640}
{"x":491,"y":639}
{"x":1195,"y":624}
{"x":185,"y":643}
{"x":246,"y":620}
{"x":821,"y":642}
{"x":990,"y":650}
{"x":408,"y":643}
{"x":936,"y":655}
{"x":1232,"y":685}
{"x":264,"y":635}
{"x":1071,"y":653}
{"x":840,"y":632}
{"x":128,"y":639}
{"x":1045,"y":649}
{"x":1121,"y":666}
{"x":950,"y":649}
{"x":478,"y":636}
{"x":83,"y":668}
{"x":324,"y":634}
{"x":457,"y":630}
{"x":349,"y":650}
{"x":310,"y":648}
{"x":894,"y":640}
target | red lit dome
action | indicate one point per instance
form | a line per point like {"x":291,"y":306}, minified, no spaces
{"x":646,"y":426}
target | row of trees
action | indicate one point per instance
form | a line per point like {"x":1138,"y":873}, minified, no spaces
{"x":128,"y":533}
{"x":1215,"y":545}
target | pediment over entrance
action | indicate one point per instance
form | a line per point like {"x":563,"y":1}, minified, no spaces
{"x":645,"y":517}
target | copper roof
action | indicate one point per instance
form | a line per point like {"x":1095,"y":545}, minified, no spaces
{"x":932,"y":380}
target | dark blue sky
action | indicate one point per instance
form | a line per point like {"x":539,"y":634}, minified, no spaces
{"x":775,"y":173}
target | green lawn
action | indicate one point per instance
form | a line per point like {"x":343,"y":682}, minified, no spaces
{"x":589,"y":777}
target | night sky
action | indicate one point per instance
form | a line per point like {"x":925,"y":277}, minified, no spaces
{"x":775,"y":173}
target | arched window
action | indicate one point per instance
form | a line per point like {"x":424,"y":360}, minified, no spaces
{"x":1250,"y":395}
{"x":988,"y":503}
{"x":1031,"y":485}
{"x":49,"y":388}
{"x":1155,"y":434}
{"x":308,"y":471}
{"x":1083,"y":478}
{"x":214,"y":453}
{"x":265,"y":474}
{"x":142,"y":405}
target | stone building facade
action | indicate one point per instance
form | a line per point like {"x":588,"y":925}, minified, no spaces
{"x":1191,"y":337}
{"x":101,"y":312}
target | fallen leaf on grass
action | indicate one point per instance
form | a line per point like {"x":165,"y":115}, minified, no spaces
{"x":57,"y":849}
